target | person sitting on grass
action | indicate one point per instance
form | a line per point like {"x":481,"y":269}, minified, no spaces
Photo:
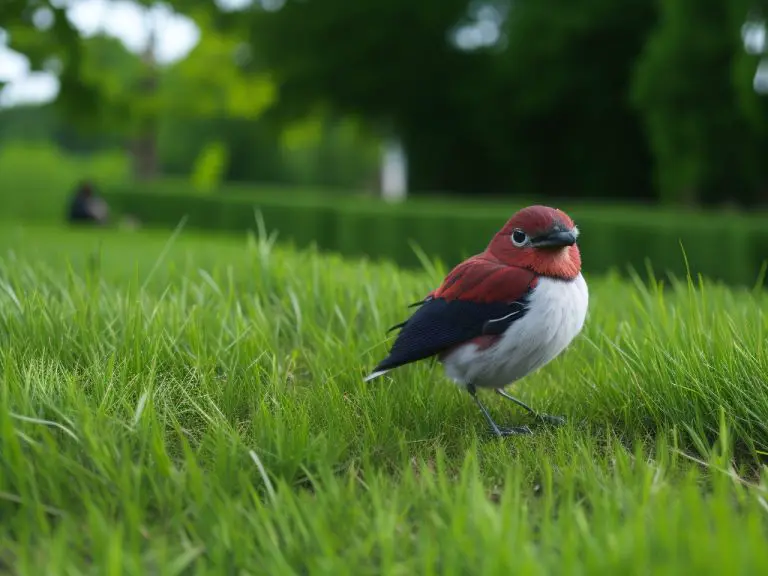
{"x":86,"y":208}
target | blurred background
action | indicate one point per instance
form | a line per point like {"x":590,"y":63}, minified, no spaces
{"x":382,"y":127}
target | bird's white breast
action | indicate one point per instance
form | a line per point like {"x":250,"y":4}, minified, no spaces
{"x":556,"y":314}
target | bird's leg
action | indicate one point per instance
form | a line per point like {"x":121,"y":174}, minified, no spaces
{"x":557,"y":420}
{"x":515,"y":430}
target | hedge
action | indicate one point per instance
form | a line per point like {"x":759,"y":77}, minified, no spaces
{"x":731,"y":248}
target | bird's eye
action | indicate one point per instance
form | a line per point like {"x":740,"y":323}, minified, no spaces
{"x":519,"y":238}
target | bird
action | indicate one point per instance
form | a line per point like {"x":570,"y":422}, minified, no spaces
{"x":501,"y":314}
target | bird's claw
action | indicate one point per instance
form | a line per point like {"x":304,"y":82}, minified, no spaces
{"x":503,"y":432}
{"x":549,"y":419}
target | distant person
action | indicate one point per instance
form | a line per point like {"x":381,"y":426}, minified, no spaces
{"x":85,"y":207}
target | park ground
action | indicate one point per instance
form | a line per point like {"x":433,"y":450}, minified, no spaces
{"x":183,"y":404}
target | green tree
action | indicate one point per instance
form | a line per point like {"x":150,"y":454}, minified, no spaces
{"x":691,"y":86}
{"x":562,"y":103}
{"x":542,"y":108}
{"x":559,"y":97}
{"x":389,"y":62}
{"x":106,"y":88}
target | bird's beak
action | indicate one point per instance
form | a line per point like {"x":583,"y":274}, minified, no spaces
{"x":555,"y":239}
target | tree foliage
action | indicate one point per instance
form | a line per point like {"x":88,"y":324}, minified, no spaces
{"x":544,"y":109}
{"x":635,"y":99}
{"x":703,"y":126}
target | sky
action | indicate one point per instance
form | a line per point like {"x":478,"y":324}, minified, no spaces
{"x":178,"y":35}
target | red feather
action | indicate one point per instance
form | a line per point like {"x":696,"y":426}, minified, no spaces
{"x":484,"y":279}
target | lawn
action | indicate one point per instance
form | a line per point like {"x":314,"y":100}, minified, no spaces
{"x":180,"y":404}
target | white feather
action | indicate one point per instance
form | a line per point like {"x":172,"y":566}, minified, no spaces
{"x":556,"y":315}
{"x":373,"y":375}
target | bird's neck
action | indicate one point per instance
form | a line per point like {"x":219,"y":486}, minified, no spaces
{"x":564,"y":264}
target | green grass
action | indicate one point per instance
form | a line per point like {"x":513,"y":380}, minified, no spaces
{"x":194,"y":405}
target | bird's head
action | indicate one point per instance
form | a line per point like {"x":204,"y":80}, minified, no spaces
{"x":541,"y":239}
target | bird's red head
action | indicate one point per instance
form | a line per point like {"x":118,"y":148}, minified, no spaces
{"x":541,"y":239}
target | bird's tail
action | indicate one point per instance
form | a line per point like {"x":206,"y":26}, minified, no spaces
{"x":375,"y":374}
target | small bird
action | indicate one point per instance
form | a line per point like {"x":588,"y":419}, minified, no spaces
{"x":503,"y":313}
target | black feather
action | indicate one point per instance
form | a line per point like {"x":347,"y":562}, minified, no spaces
{"x":396,"y":326}
{"x":441,"y":324}
{"x":420,"y":302}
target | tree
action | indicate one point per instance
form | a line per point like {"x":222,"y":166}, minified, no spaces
{"x":536,"y":103}
{"x":689,"y":86}
{"x":387,"y":61}
{"x":562,"y":102}
{"x":549,"y":97}
{"x":105,"y":87}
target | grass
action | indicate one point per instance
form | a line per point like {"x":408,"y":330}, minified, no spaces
{"x":194,"y":405}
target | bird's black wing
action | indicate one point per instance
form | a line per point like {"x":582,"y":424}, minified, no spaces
{"x":440,"y":324}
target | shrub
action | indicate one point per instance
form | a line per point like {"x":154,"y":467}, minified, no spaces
{"x":729,"y":248}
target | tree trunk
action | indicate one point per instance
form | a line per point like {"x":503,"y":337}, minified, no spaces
{"x":144,"y":145}
{"x":144,"y":153}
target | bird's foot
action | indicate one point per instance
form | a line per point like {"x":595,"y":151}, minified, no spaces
{"x":553,"y":420}
{"x":503,"y":432}
{"x":498,"y":431}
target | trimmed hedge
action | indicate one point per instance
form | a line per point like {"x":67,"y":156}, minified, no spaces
{"x":730,"y":248}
